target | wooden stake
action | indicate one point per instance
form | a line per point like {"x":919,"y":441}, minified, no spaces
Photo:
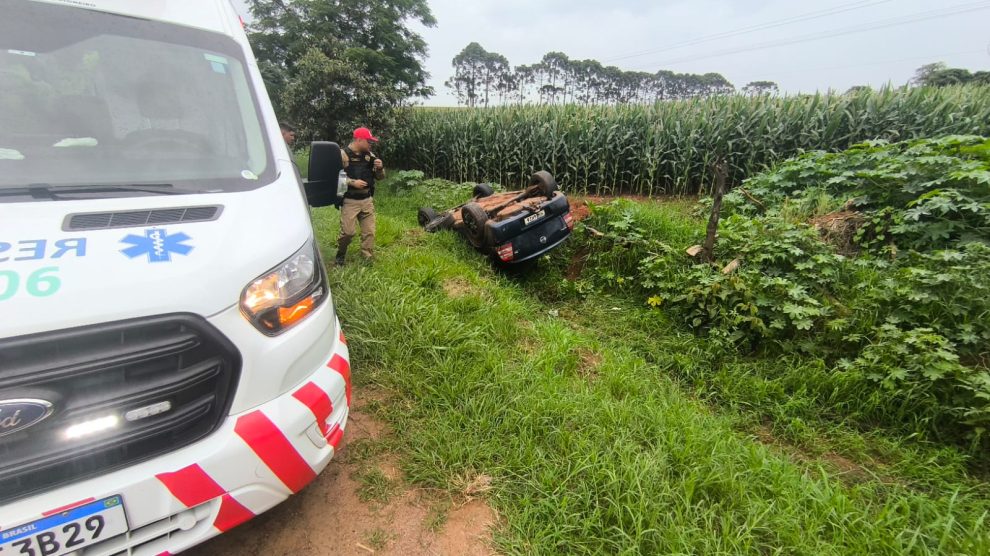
{"x":708,"y":247}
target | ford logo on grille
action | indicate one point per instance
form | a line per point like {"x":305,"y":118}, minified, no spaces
{"x":18,"y":415}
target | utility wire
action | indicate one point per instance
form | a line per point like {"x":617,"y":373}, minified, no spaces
{"x":881,"y":24}
{"x":876,"y":63}
{"x":859,"y":4}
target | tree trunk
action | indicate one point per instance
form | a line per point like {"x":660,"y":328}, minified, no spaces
{"x":708,"y":248}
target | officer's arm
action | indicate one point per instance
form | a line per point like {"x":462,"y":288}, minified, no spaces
{"x":345,"y":161}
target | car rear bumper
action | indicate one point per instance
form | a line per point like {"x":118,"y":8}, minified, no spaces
{"x":540,"y":253}
{"x":255,"y":460}
{"x":537,"y":241}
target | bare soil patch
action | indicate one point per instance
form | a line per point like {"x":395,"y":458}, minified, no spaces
{"x":330,"y":517}
{"x":588,"y":363}
{"x":580,"y":211}
{"x":846,"y":469}
{"x":578,"y":261}
{"x":459,"y":287}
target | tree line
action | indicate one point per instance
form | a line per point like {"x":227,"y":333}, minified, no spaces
{"x":482,"y":78}
{"x":941,"y":75}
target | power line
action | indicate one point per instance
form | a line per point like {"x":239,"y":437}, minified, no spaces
{"x":876,"y":63}
{"x":881,"y":24}
{"x":859,"y":4}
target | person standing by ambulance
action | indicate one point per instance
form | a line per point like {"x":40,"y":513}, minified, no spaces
{"x":362,"y":168}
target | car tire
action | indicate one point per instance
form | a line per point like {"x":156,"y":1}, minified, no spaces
{"x":474,"y":218}
{"x":483,"y":190}
{"x":442,"y":222}
{"x":426,"y":215}
{"x":547,"y":185}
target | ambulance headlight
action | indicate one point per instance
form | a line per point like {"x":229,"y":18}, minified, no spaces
{"x":286,"y":294}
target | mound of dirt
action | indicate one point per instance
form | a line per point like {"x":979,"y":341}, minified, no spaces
{"x":839,"y":228}
{"x":580,"y":211}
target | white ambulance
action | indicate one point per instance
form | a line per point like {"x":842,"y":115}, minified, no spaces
{"x":170,"y":360}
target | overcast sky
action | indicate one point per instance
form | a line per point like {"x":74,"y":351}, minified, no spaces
{"x":638,"y":34}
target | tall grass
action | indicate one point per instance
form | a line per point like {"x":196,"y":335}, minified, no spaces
{"x":593,"y":445}
{"x":668,"y":148}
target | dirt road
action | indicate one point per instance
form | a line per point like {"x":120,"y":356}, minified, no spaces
{"x":360,"y":505}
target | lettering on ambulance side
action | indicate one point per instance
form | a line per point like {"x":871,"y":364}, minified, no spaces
{"x":157,"y":244}
{"x":37,"y":249}
{"x":36,"y":282}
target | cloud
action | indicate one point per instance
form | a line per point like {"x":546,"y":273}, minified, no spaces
{"x":611,"y":31}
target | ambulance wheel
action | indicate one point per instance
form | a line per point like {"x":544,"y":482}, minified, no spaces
{"x":547,"y":185}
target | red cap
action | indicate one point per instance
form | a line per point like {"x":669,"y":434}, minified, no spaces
{"x":364,"y":133}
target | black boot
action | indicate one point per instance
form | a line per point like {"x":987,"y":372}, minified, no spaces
{"x":340,"y":259}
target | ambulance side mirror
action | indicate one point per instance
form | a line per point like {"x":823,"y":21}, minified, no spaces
{"x":324,"y":168}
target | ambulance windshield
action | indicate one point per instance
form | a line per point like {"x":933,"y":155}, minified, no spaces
{"x":90,"y":98}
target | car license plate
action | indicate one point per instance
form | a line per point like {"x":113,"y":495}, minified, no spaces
{"x":534,"y":217}
{"x":66,"y":531}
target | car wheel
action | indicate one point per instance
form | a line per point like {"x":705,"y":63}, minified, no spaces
{"x":483,"y":190}
{"x":442,"y":222}
{"x":474,"y":218}
{"x":426,"y":215}
{"x":546,"y":183}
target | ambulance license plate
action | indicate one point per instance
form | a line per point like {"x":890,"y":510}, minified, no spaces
{"x":534,"y":217}
{"x":66,"y":531}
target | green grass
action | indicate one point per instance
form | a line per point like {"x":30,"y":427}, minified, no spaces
{"x":379,"y":538}
{"x":608,"y":430}
{"x":375,"y":486}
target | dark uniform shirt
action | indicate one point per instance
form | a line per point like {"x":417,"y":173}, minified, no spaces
{"x":360,"y":166}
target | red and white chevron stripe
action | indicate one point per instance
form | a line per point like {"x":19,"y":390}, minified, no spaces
{"x":192,"y":485}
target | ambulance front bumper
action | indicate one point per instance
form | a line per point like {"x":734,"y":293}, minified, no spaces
{"x":255,"y":460}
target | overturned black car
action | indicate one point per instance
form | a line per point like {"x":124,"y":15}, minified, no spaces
{"x":511,"y":227}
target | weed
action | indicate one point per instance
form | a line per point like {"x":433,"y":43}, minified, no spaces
{"x":378,"y":538}
{"x":375,"y":485}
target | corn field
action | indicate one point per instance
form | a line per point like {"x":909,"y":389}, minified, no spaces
{"x":669,"y":148}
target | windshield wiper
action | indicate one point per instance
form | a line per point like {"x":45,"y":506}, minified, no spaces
{"x":56,"y":192}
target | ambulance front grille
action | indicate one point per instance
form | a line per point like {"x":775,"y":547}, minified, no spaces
{"x":120,"y":392}
{"x":139,"y":218}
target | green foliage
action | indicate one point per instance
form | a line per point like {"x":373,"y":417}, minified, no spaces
{"x":330,"y":66}
{"x":557,"y":78}
{"x":916,"y":194}
{"x":760,"y":88}
{"x":948,"y":290}
{"x":940,"y":75}
{"x":317,"y":100}
{"x":607,"y":429}
{"x":907,"y":315}
{"x":920,"y":365}
{"x":406,"y":179}
{"x":478,"y":75}
{"x":669,"y":147}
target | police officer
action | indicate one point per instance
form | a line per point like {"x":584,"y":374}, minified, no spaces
{"x":363,"y":168}
{"x":288,"y":134}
